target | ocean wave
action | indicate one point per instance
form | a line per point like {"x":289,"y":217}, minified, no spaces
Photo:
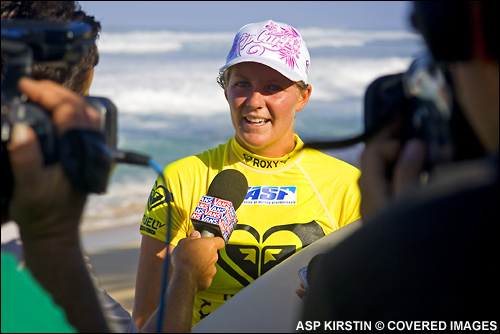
{"x":154,"y":42}
{"x":338,"y":38}
{"x":189,"y":88}
{"x":185,"y":84}
{"x":165,"y":41}
{"x":335,"y":79}
{"x":182,"y":87}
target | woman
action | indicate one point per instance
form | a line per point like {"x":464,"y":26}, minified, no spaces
{"x":291,"y":202}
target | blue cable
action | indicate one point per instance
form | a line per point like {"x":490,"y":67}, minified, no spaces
{"x":166,"y":265}
{"x":119,"y":156}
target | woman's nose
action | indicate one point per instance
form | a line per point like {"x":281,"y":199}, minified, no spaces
{"x":255,"y":100}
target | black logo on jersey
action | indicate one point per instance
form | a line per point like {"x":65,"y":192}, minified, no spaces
{"x":263,"y":163}
{"x":157,"y":198}
{"x":255,"y":262}
{"x":150,"y":225}
{"x":247,"y":158}
{"x":204,"y":315}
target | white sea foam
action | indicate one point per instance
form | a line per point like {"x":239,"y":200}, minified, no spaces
{"x":147,"y":42}
{"x":337,"y":38}
{"x":122,"y":204}
{"x":138,"y":74}
{"x":335,"y":79}
{"x":190,"y":88}
{"x":156,"y":87}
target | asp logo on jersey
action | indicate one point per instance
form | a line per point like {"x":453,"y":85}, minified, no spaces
{"x":263,"y":195}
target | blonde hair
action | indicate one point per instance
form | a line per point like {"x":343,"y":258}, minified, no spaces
{"x":223,"y":78}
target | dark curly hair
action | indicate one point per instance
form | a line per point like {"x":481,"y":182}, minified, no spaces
{"x":74,"y":77}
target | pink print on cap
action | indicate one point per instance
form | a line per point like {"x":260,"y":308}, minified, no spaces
{"x":274,"y":44}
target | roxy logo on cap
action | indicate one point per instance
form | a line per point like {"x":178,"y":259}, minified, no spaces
{"x":273,"y":44}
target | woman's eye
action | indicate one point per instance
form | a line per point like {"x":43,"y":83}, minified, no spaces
{"x":242,"y":84}
{"x":275,"y":88}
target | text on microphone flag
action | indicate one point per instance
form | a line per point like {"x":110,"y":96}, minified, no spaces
{"x":216,"y":211}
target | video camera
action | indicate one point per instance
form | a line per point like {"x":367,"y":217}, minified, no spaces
{"x":421,"y":100}
{"x":84,"y":154}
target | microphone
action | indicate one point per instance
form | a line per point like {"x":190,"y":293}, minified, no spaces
{"x":215,"y":214}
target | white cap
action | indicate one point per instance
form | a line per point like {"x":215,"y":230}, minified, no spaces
{"x":274,"y":44}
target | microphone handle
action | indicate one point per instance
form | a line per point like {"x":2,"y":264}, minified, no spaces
{"x":206,"y":234}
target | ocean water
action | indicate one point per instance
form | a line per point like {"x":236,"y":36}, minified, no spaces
{"x":170,"y":106}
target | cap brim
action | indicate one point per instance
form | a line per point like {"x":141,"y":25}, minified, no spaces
{"x":275,"y":65}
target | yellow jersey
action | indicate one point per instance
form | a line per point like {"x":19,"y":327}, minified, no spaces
{"x":291,"y":202}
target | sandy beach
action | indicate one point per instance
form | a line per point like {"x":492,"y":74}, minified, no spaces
{"x":114,"y":255}
{"x":116,"y":271}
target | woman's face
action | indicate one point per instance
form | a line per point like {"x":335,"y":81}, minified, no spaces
{"x":263,"y":103}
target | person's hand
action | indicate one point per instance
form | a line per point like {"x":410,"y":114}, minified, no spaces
{"x":195,"y":257}
{"x":387,"y":170}
{"x":194,"y":261}
{"x":301,"y":292}
{"x":43,"y":200}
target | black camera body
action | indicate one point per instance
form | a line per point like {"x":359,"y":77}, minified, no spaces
{"x":448,"y":136}
{"x":84,"y":154}
{"x":387,"y":99}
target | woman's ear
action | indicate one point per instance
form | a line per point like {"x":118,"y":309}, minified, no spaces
{"x":304,"y":98}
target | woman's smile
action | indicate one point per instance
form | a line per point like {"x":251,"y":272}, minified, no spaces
{"x":256,"y":121}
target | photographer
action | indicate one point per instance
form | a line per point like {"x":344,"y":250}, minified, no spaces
{"x":48,"y":209}
{"x":77,"y":78}
{"x":426,"y":252}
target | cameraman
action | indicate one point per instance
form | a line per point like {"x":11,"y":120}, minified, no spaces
{"x":41,"y":195}
{"x":47,"y":209}
{"x":426,"y":252}
{"x":77,"y":78}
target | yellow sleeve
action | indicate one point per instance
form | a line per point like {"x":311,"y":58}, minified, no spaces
{"x":185,"y":186}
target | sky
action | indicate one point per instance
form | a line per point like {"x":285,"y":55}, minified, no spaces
{"x":232,"y":15}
